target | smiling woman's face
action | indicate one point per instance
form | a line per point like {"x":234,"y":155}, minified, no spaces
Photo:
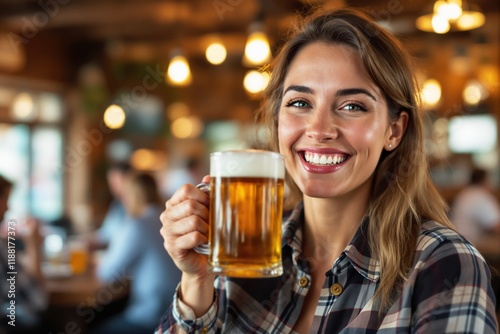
{"x":333,"y":122}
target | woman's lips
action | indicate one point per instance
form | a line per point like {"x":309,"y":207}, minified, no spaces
{"x":322,"y":162}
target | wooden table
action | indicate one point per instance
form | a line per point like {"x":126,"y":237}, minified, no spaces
{"x":78,"y":301}
{"x":84,"y":290}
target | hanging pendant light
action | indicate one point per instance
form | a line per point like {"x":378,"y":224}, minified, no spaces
{"x":178,"y":72}
{"x":451,"y":15}
{"x":255,"y":81}
{"x":215,"y":52}
{"x":431,"y":93}
{"x":257,"y":49}
{"x":114,"y":117}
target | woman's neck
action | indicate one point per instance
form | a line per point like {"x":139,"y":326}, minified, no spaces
{"x":329,"y":227}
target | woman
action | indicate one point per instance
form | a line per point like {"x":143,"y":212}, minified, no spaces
{"x":136,"y":253}
{"x":368,"y":247}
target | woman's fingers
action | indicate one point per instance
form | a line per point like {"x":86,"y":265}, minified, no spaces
{"x":184,"y":209}
{"x":190,"y":227}
{"x":185,"y":226}
{"x":187,"y":191}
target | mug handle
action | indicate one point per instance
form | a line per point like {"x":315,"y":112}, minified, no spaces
{"x":203,"y":248}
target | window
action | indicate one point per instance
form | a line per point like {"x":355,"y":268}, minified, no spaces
{"x":31,"y":148}
{"x":472,"y":133}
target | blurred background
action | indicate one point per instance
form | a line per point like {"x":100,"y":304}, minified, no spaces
{"x":161,"y":84}
{"x":63,"y":63}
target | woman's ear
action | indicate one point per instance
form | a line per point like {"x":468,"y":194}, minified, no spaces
{"x":398,"y":128}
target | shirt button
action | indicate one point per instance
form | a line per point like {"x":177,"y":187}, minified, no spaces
{"x":204,"y":330}
{"x":336,"y":289}
{"x":304,"y":281}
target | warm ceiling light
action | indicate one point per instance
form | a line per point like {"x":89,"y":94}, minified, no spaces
{"x":255,"y":81}
{"x":178,"y":72}
{"x":454,"y":9}
{"x":186,"y":127}
{"x":474,"y":92}
{"x":216,"y":53}
{"x":440,"y":24}
{"x":431,"y":92}
{"x":114,"y":117}
{"x":257,"y":49}
{"x":450,"y":9}
{"x":148,"y":160}
{"x":471,"y":95}
{"x":23,"y":107}
{"x":450,"y":15}
{"x":176,"y":110}
{"x":470,"y":20}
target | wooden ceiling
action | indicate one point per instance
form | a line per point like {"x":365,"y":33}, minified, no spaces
{"x":158,"y":20}
{"x":124,"y":35}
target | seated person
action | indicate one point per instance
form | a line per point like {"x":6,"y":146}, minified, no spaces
{"x":29,"y":298}
{"x":115,"y":178}
{"x":136,"y":251}
{"x":475,"y":210}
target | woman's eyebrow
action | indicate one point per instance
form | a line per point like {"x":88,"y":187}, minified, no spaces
{"x":341,"y":92}
{"x":354,"y":91}
{"x":298,"y":88}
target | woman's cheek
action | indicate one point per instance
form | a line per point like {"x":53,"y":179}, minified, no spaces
{"x":287,"y":133}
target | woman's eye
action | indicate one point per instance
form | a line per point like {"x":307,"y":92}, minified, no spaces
{"x":298,"y":104}
{"x":354,"y":107}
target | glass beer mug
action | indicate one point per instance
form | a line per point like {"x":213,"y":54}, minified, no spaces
{"x":246,"y":202}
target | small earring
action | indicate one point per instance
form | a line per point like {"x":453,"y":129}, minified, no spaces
{"x":390,"y":145}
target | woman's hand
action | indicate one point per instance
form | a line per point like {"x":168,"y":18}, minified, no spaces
{"x":185,"y":225}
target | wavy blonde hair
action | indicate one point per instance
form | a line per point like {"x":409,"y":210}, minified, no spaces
{"x":402,"y":195}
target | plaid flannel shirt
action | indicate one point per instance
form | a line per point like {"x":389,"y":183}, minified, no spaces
{"x":448,"y":291}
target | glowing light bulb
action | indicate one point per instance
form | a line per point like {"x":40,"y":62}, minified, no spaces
{"x":186,"y":127}
{"x":179,"y":73}
{"x":23,"y":107}
{"x":114,"y":117}
{"x":474,"y":92}
{"x":216,"y":53}
{"x":440,"y":24}
{"x":454,"y":9}
{"x":431,"y":92}
{"x":257,"y":49}
{"x":470,"y":20}
{"x":255,"y":82}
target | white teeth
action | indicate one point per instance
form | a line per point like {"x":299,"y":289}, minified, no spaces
{"x":324,"y":159}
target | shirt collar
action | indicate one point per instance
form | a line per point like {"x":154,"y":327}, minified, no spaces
{"x":357,"y":251}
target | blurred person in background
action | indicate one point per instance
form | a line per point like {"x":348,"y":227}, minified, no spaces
{"x":5,"y":189}
{"x":190,"y":171}
{"x":476,"y":214}
{"x":116,"y":213}
{"x":23,"y":296}
{"x":136,"y":251}
{"x":475,"y":209}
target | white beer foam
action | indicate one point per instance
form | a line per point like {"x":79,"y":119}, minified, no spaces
{"x":248,"y":163}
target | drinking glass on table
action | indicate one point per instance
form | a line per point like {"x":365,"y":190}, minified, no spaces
{"x":77,"y":255}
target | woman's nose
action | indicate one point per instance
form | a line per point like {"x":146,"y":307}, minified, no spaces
{"x":322,"y":126}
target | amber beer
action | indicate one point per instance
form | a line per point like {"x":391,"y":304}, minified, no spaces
{"x":78,"y":257}
{"x":246,"y":203}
